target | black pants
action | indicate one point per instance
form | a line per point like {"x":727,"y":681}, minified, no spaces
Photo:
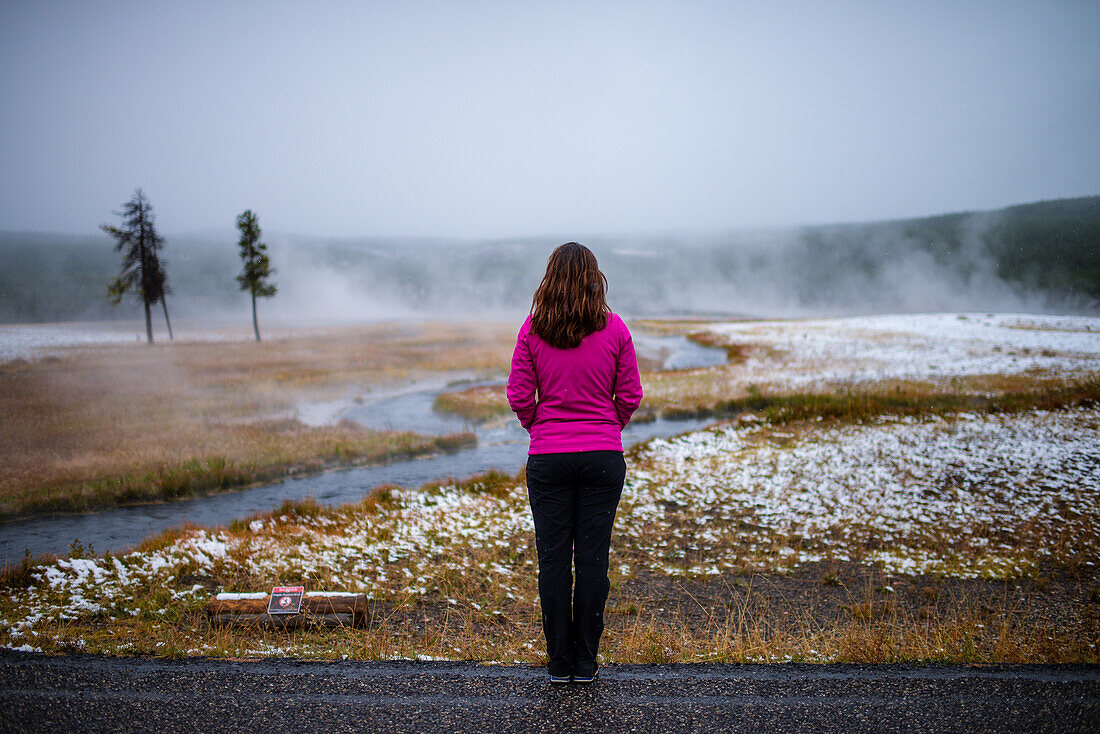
{"x":573,"y":500}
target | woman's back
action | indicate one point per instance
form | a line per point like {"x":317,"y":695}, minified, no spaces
{"x":585,"y":395}
{"x":574,"y":385}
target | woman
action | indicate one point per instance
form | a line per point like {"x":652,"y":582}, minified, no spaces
{"x":574,"y":385}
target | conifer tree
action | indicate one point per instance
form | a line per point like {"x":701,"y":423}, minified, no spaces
{"x":257,"y":270}
{"x":143,"y":266}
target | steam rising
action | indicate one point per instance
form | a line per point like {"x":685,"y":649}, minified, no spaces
{"x":778,"y":273}
{"x":352,"y":282}
{"x":1034,"y":257}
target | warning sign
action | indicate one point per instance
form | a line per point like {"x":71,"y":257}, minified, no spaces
{"x":286,"y":600}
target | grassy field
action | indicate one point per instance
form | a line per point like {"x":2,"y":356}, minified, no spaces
{"x":721,"y":392}
{"x":97,"y":426}
{"x":965,"y":537}
{"x":476,"y":404}
{"x":944,"y":517}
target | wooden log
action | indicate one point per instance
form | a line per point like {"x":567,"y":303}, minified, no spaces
{"x":319,"y":608}
{"x":286,"y":621}
{"x":312,"y":602}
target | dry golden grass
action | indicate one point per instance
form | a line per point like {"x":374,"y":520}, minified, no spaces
{"x":652,"y":622}
{"x":126,"y":423}
{"x":711,"y":388}
{"x":682,"y":325}
{"x":966,"y":634}
{"x":463,"y":586}
{"x":477,"y":404}
{"x":719,"y":392}
{"x":107,"y":424}
{"x":730,"y":388}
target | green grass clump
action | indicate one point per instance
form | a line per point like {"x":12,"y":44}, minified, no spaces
{"x":216,"y":473}
{"x":494,"y":483}
{"x":856,"y":404}
{"x":475,"y":404}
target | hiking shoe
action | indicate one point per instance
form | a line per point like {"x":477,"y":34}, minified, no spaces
{"x":560,"y":678}
{"x":586,"y":678}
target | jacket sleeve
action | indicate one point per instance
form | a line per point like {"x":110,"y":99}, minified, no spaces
{"x":522,"y":381}
{"x":628,"y":383}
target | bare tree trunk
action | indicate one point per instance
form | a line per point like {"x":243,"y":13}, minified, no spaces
{"x":144,"y":284}
{"x":255,"y":323}
{"x":148,"y":322}
{"x":164,"y":304}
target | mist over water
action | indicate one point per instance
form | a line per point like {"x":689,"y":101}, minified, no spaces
{"x":776,"y":273}
{"x":1031,"y":258}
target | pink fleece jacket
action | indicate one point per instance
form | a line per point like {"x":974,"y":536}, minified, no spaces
{"x":576,"y":399}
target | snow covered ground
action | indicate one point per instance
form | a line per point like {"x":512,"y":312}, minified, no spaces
{"x":799,"y":353}
{"x":972,"y":495}
{"x":34,"y":341}
{"x":969,"y":495}
{"x":27,"y":341}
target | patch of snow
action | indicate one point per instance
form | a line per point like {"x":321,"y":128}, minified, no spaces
{"x":1002,"y":487}
{"x":24,"y":648}
{"x":330,"y":594}
{"x":913,"y":346}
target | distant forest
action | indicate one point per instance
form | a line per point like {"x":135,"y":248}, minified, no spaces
{"x":1051,"y":246}
{"x":52,"y":277}
{"x":1047,"y":254}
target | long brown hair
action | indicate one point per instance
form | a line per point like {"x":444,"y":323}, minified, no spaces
{"x":570,"y":303}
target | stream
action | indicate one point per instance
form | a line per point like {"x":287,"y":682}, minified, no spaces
{"x":502,"y":445}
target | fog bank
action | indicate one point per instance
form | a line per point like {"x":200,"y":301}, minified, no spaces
{"x":1036,"y":258}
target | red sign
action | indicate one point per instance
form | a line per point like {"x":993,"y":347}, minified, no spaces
{"x":286,"y":600}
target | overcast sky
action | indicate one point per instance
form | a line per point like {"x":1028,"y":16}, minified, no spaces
{"x":518,"y":118}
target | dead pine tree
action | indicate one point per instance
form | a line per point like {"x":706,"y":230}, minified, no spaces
{"x":143,"y":266}
{"x":257,"y":270}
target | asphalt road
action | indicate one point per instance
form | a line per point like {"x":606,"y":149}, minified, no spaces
{"x":88,"y":693}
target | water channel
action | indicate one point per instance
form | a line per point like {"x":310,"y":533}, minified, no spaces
{"x":502,"y":445}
